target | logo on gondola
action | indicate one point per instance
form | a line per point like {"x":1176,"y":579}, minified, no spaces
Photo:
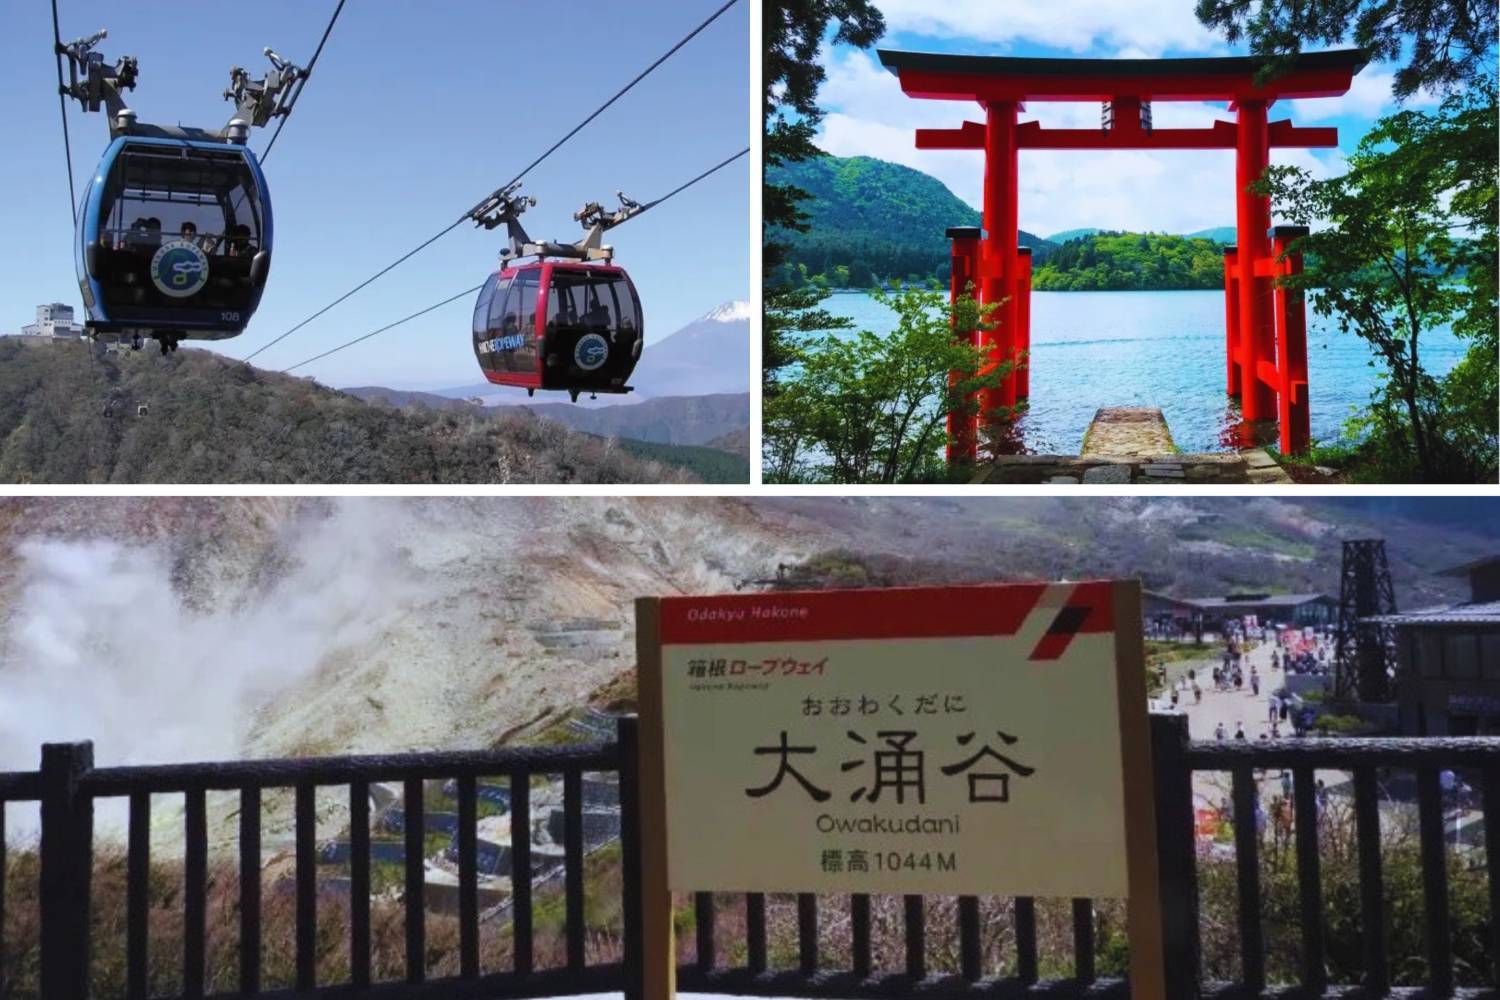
{"x":591,"y":351}
{"x":179,"y":269}
{"x":509,"y":342}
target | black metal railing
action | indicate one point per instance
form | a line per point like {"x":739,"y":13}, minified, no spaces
{"x":1363,"y":760}
{"x":68,"y":785}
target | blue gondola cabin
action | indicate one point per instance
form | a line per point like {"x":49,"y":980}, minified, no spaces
{"x":174,"y":239}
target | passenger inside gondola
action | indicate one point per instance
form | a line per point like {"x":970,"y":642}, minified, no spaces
{"x":597,"y":318}
{"x":208,"y":201}
{"x":238,"y":244}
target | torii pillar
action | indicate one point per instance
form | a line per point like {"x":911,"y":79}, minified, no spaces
{"x":1002,"y":225}
{"x":1265,"y":346}
{"x":1252,"y":218}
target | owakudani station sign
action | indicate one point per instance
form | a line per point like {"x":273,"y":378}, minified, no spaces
{"x":952,"y":740}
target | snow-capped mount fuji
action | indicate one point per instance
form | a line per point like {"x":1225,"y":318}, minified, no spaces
{"x":709,"y":355}
{"x":730,"y":311}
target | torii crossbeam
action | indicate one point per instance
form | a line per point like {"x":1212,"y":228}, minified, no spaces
{"x":1265,"y":335}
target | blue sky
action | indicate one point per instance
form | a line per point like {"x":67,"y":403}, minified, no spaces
{"x":414,"y":113}
{"x":1171,"y":191}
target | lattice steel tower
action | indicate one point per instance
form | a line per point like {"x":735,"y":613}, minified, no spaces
{"x":1365,"y":654}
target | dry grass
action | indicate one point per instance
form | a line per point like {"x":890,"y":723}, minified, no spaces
{"x":19,"y":954}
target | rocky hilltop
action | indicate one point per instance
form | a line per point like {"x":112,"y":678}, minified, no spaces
{"x":69,"y":414}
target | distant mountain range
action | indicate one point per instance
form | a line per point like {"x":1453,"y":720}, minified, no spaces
{"x":692,"y":420}
{"x":1108,"y":261}
{"x":442,"y":632}
{"x":1218,"y":234}
{"x":711,"y":355}
{"x":1072,"y":234}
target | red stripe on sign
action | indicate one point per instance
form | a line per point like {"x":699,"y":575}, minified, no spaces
{"x":1089,"y":608}
{"x":897,"y":613}
{"x":1098,"y":597}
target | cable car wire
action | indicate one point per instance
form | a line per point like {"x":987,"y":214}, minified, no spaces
{"x":713,"y":169}
{"x":62,"y":105}
{"x":618,"y":94}
{"x":388,"y":326}
{"x":313,"y":62}
{"x":368,"y":281}
{"x":529,"y":167}
{"x":470,"y":291}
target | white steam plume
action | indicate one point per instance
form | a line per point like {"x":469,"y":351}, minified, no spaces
{"x":103,"y":646}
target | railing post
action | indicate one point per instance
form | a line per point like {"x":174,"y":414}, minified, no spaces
{"x":1176,"y":853}
{"x":67,"y":849}
{"x":628,"y":743}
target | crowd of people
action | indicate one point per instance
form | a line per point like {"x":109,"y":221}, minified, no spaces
{"x":1295,"y":651}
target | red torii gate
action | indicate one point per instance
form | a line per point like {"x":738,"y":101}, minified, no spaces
{"x":1265,"y":337}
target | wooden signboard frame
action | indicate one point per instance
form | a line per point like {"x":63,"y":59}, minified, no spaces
{"x":1144,"y":912}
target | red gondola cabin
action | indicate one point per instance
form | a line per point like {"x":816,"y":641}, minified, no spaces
{"x":559,"y":325}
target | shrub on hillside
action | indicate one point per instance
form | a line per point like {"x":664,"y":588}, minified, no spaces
{"x":69,"y":417}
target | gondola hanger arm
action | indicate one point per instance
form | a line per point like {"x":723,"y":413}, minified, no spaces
{"x":505,"y":206}
{"x":257,"y":102}
{"x":596,"y":220}
{"x":93,"y":83}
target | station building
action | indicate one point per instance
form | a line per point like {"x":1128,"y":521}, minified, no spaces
{"x":53,"y":319}
{"x":1188,"y":614}
{"x":1448,"y":674}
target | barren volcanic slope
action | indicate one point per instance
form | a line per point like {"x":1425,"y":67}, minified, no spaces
{"x":176,"y":629}
{"x":1188,"y":546}
{"x":67,"y":416}
{"x":184,"y":628}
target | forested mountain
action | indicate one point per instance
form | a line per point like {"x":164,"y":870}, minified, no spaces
{"x":871,"y":222}
{"x":1131,"y":261}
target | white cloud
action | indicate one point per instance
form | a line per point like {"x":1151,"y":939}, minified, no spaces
{"x":859,"y":86}
{"x":1143,"y":28}
{"x":1369,"y":96}
{"x":1177,"y":191}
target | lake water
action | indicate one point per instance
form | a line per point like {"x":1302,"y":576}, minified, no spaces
{"x":1165,"y":349}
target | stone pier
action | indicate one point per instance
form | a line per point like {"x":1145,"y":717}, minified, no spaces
{"x":1132,"y":444}
{"x":1127,"y":432}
